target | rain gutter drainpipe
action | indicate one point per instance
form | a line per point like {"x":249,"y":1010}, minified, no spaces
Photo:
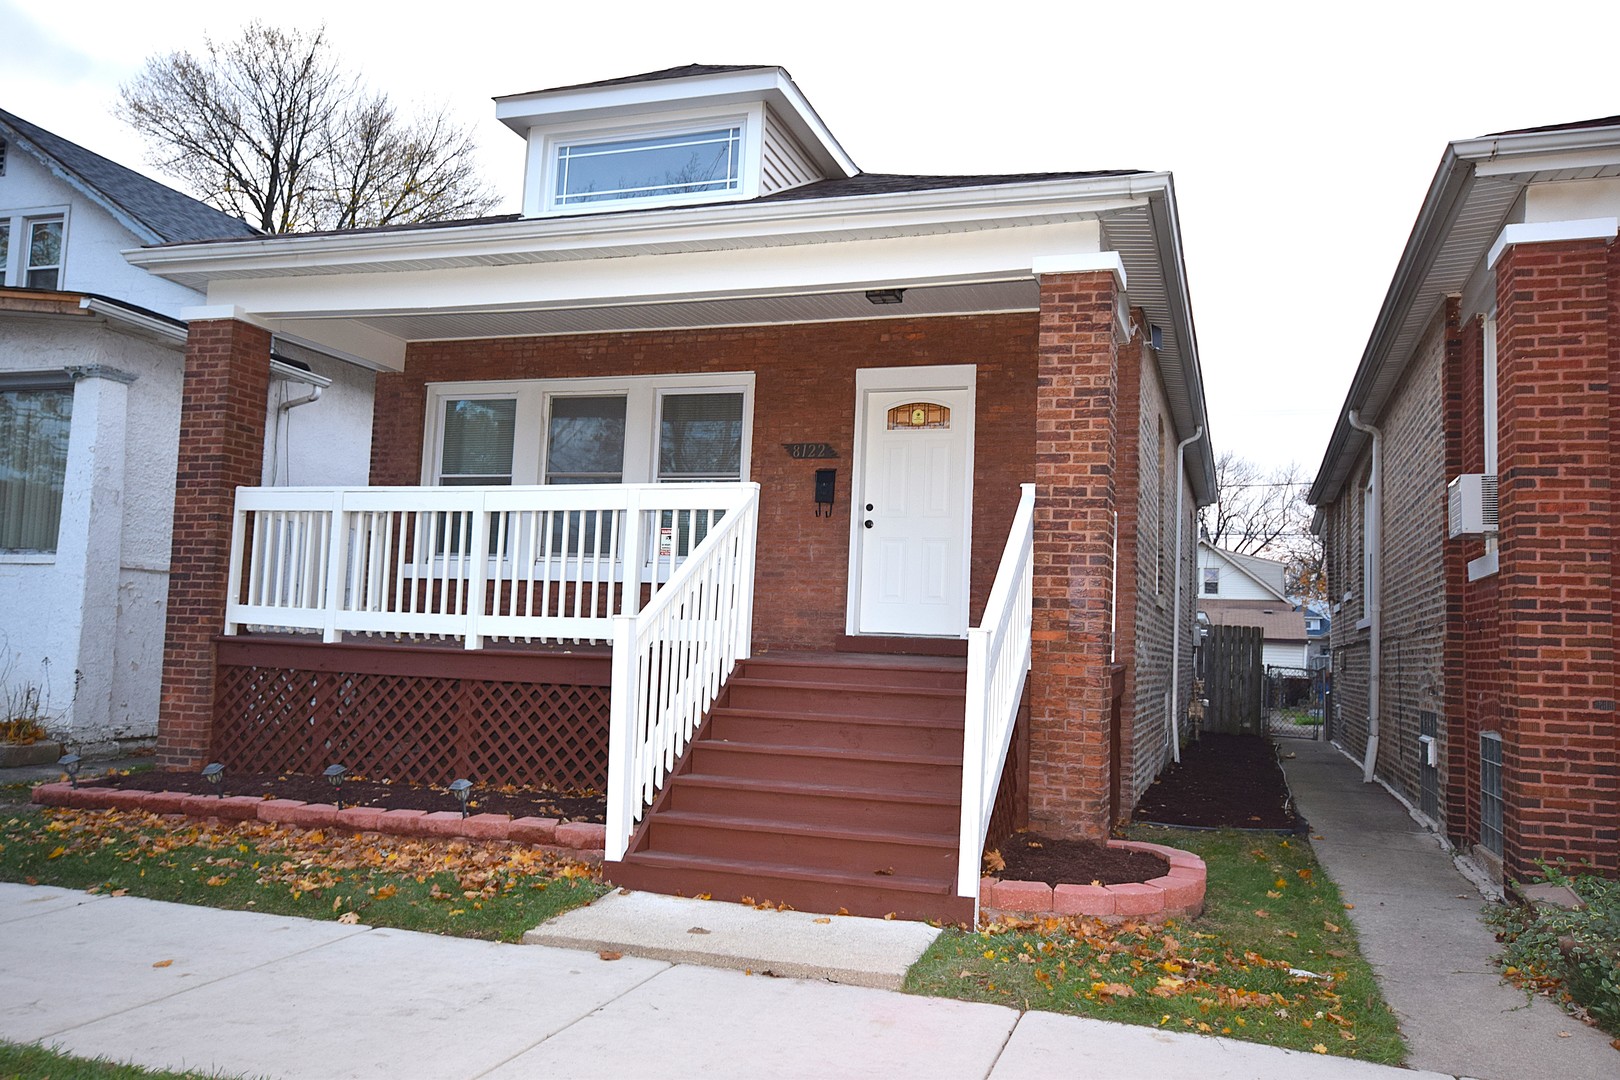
{"x":1175,"y":618}
{"x":1372,"y":590}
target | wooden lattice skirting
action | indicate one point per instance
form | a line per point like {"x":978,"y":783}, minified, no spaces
{"x":412,"y":713}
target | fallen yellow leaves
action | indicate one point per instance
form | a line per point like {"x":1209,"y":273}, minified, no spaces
{"x":162,"y":963}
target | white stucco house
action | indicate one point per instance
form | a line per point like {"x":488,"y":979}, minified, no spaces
{"x":91,"y":373}
{"x":1246,"y":590}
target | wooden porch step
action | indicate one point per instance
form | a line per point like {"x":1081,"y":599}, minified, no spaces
{"x":815,"y":803}
{"x":866,"y":768}
{"x":800,"y":887}
{"x":878,"y":734}
{"x":830,"y":696}
{"x":880,"y":852}
{"x":862,"y":670}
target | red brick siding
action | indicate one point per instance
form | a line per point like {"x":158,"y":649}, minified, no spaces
{"x":1133,"y":478}
{"x":1556,"y":368}
{"x":222,"y":417}
{"x":804,"y":391}
{"x":1077,"y":381}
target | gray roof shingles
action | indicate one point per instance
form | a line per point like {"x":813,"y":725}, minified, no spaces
{"x":173,"y":217}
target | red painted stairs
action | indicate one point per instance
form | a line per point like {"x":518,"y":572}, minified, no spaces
{"x":824,"y":782}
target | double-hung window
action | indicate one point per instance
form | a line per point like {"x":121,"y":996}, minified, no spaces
{"x":34,"y":425}
{"x":31,"y":249}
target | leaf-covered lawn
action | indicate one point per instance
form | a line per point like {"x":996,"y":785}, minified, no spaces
{"x":1272,"y":960}
{"x":459,"y":887}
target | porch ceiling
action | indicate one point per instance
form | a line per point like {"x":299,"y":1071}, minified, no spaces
{"x":608,"y":316}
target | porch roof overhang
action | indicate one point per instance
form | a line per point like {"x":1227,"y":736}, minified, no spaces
{"x":1476,"y":192}
{"x":365,"y":295}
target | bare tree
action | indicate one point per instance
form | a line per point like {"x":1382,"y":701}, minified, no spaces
{"x":1266,"y":513}
{"x":269,"y":128}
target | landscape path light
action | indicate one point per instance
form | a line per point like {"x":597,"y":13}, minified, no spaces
{"x":334,"y":775}
{"x":462,"y":790}
{"x":214,"y":773}
{"x":70,"y":765}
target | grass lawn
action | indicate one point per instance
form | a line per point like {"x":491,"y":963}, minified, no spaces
{"x":19,"y":1062}
{"x":457,"y":887}
{"x":1269,"y":909}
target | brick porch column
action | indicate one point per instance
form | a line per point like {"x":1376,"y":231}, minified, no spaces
{"x":1077,"y":382}
{"x":1557,"y":390}
{"x":222,"y":421}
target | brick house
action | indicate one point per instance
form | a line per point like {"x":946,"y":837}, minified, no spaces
{"x":1467,"y":505}
{"x":724,"y":476}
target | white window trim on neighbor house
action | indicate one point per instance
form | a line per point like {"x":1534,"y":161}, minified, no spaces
{"x":15,"y":268}
{"x":32,"y":495}
{"x":746,"y":168}
{"x":644,"y":396}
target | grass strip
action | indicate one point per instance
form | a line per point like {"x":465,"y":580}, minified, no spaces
{"x":20,"y":1062}
{"x":1272,"y":960}
{"x":457,"y":887}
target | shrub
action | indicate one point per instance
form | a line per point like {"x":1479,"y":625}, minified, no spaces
{"x":1572,"y":954}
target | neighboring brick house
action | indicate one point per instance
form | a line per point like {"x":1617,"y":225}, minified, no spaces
{"x":708,"y":316}
{"x":1489,"y":626}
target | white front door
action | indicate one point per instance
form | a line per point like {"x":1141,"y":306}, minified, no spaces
{"x":914,"y":510}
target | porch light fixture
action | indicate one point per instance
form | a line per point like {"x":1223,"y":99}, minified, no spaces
{"x":334,"y":775}
{"x":214,"y":773}
{"x":885,"y":296}
{"x":462,"y":790}
{"x":70,"y":765}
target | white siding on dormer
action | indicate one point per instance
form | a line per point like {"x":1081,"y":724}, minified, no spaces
{"x":785,"y":164}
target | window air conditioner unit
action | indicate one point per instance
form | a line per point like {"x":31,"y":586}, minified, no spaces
{"x":1471,"y":504}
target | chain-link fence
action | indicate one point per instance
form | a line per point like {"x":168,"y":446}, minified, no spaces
{"x":1292,"y":703}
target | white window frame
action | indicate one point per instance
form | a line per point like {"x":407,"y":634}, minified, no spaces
{"x":546,"y":145}
{"x":1206,"y":574}
{"x":14,"y":268}
{"x":643,"y":397}
{"x":22,"y":382}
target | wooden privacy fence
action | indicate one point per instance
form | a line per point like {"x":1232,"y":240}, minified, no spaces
{"x":1233,"y":680}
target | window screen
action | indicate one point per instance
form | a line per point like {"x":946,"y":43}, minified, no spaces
{"x":700,"y":437}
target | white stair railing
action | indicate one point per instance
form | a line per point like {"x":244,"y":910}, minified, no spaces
{"x":670,"y":662}
{"x":999,"y":653}
{"x":470,"y":563}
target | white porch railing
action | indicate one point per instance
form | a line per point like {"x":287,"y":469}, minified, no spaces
{"x":471,"y":563}
{"x":670,"y":661}
{"x":998,"y":660}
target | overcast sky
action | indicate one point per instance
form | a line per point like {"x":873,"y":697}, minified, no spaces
{"x":1302,"y":136}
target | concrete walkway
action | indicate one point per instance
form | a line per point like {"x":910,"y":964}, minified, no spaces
{"x":1418,"y":920}
{"x":262,"y":995}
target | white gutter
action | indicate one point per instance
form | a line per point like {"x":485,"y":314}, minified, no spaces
{"x":1372,"y":591}
{"x":117,"y":313}
{"x":1175,"y":617}
{"x":720,"y":224}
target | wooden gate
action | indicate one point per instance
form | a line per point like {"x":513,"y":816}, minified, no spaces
{"x":1233,"y":680}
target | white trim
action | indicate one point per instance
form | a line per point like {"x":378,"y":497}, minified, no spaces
{"x":118,"y":313}
{"x":1080,"y":263}
{"x":875,"y":380}
{"x":1544,"y":232}
{"x":214,"y":312}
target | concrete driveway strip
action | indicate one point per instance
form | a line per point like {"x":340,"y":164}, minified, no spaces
{"x":1047,"y":1045}
{"x":1418,"y":921}
{"x":75,"y":964}
{"x":384,"y":1003}
{"x":724,"y":1025}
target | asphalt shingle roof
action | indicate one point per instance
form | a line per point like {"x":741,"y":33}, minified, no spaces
{"x":172,"y":216}
{"x":685,"y":71}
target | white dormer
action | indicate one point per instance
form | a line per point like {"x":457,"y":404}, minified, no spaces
{"x":695,"y":134}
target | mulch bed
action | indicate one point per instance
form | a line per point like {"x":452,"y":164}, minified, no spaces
{"x":519,"y":802}
{"x":1223,"y":781}
{"x":1033,"y":857}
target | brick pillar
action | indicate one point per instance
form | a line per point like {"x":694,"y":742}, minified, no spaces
{"x":1077,"y":380}
{"x":222,"y":417}
{"x":1556,"y":370}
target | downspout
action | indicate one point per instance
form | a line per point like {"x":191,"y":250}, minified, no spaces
{"x":1175,"y":618}
{"x":1372,"y":590}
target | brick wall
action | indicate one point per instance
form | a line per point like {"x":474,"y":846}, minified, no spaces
{"x":1077,"y":382}
{"x":222,"y":416}
{"x":804,"y":391}
{"x":1557,"y":364}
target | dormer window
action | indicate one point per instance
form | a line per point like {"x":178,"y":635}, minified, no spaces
{"x":667,"y":165}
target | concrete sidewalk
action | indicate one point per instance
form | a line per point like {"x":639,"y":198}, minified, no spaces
{"x":264,"y":995}
{"x":1418,"y":920}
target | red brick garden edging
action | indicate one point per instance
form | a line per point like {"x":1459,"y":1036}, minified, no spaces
{"x":1178,"y":894}
{"x":582,"y":838}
